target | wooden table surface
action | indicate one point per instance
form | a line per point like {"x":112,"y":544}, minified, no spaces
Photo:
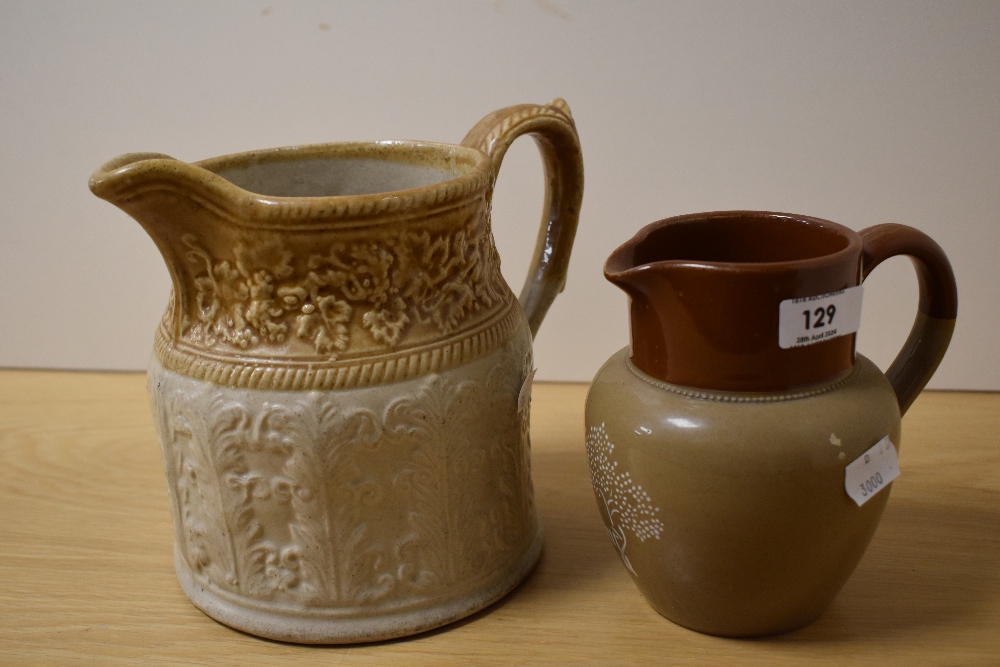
{"x":86,"y":572}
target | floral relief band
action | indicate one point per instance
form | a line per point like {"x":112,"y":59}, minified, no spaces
{"x":262,"y":296}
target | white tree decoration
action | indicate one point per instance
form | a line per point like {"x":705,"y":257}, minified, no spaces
{"x":627,"y":506}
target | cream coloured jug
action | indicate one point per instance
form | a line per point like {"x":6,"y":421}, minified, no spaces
{"x":335,"y":381}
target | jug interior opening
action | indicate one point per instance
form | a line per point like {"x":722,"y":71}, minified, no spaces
{"x":340,"y":175}
{"x":741,"y":240}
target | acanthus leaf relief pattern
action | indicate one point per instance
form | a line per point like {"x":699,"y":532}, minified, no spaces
{"x":382,"y":285}
{"x":449,"y":441}
{"x":628,"y":508}
{"x":313,"y":503}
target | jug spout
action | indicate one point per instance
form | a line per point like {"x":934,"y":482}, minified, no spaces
{"x":116,"y":175}
{"x":148,"y":186}
{"x":164,"y":195}
{"x":129,"y":181}
{"x":645,"y":284}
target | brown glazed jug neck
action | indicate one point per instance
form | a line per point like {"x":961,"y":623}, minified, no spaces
{"x":705,"y":293}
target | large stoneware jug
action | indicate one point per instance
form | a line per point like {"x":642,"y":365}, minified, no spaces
{"x":336,"y":378}
{"x":740,"y":451}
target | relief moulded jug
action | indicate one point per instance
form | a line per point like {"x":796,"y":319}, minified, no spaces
{"x":336,"y":378}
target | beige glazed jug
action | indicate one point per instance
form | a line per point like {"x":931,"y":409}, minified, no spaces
{"x":741,"y":453}
{"x":335,"y":381}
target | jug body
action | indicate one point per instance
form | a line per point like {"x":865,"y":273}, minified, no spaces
{"x":718,"y":451}
{"x":728,"y":509}
{"x":355,"y":513}
{"x":336,"y":379}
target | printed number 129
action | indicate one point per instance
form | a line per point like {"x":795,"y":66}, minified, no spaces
{"x":824,"y":316}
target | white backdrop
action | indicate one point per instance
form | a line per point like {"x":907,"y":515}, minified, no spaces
{"x":859,"y":112}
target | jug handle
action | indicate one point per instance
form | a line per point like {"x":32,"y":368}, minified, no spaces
{"x":938,"y":307}
{"x":553,"y":129}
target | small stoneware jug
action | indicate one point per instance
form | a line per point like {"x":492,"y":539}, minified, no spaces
{"x":336,"y":379}
{"x":740,"y":451}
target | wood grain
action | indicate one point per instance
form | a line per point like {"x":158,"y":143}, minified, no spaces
{"x":86,"y":575}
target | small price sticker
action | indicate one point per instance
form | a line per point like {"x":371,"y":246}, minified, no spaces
{"x":813,"y":319}
{"x":871,"y":472}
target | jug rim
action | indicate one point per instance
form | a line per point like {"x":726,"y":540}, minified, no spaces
{"x":132,"y":172}
{"x":622,"y":259}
